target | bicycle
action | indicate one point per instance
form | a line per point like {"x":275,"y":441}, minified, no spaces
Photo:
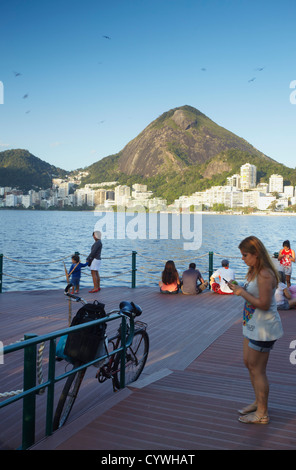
{"x":109,"y":368}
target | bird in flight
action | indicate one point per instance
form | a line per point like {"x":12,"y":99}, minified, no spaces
{"x":260,"y":69}
{"x":106,"y":37}
{"x":203,"y":69}
{"x":25,"y":96}
{"x":252,"y":79}
{"x":17,"y":74}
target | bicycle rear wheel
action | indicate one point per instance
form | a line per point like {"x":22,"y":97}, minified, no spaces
{"x":135,"y":359}
{"x":67,"y":398}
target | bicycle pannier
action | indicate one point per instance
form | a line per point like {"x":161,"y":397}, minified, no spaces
{"x":82,"y":346}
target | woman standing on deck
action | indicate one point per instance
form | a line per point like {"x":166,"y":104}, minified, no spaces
{"x":261,"y":323}
{"x":286,"y":257}
{"x":94,"y":261}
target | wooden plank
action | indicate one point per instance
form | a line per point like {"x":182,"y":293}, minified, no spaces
{"x":198,"y":338}
{"x":196,"y":409}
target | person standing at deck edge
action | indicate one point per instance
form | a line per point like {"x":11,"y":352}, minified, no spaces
{"x":262,"y":325}
{"x":94,"y":261}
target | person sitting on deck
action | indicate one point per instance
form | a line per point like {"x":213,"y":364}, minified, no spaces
{"x":192,"y":281}
{"x":283,"y":297}
{"x":170,"y":281}
{"x":223,"y":273}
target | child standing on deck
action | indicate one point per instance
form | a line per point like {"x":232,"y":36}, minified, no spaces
{"x":75,"y":272}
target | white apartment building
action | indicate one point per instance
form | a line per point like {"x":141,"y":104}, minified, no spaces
{"x":64,"y":188}
{"x":276,"y":184}
{"x":264,"y":201}
{"x":289,"y":191}
{"x":80,"y":197}
{"x":282,"y":203}
{"x":26,"y":201}
{"x":100,"y":196}
{"x":122,"y":195}
{"x":4,"y":190}
{"x":234,"y":181}
{"x":10,"y":200}
{"x":263,"y":187}
{"x":248,"y":176}
{"x":251,"y":198}
{"x":139,"y":187}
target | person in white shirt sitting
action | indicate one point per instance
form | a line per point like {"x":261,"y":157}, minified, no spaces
{"x":283,"y":297}
{"x":223,"y":273}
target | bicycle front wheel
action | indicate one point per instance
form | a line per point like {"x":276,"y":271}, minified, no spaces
{"x":67,"y":398}
{"x":135,"y":359}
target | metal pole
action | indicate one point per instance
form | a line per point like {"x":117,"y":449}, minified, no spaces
{"x":50,"y":391}
{"x":30,"y":357}
{"x":123,"y":352}
{"x":1,"y":270}
{"x":134,"y":268}
{"x":211,"y":270}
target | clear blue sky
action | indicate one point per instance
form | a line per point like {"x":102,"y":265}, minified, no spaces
{"x":88,"y":96}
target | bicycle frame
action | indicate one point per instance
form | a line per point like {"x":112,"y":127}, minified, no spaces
{"x":31,"y":389}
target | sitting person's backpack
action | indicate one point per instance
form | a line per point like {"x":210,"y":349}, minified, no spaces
{"x":83,"y":345}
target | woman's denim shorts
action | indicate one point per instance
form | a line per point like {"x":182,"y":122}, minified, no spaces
{"x":262,"y":346}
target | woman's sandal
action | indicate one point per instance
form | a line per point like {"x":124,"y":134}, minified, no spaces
{"x":252,"y":418}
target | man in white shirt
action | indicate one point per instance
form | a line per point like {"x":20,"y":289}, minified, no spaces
{"x":225,"y":272}
{"x":283,"y":295}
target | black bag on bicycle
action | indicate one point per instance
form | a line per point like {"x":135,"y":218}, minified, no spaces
{"x":82,"y":346}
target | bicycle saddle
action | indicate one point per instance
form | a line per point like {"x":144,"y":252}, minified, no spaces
{"x":130,"y":308}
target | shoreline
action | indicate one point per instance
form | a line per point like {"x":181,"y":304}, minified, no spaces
{"x":264,"y":214}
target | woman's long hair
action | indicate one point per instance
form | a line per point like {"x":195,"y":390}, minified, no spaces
{"x":169,"y":274}
{"x":255,"y":246}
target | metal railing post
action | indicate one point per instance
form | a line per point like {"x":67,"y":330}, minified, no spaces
{"x":134,"y":268}
{"x":1,"y":271}
{"x":30,"y":389}
{"x":211,"y":270}
{"x":50,"y":391}
{"x":29,"y":402}
{"x":123,"y":352}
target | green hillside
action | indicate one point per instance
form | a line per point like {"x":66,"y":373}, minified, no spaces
{"x":174,"y":184}
{"x":20,"y":169}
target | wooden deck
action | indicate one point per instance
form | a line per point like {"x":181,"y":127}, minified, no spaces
{"x":188,"y":395}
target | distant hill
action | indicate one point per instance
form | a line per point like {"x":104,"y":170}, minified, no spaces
{"x":181,"y":152}
{"x":177,"y":139}
{"x":20,"y":169}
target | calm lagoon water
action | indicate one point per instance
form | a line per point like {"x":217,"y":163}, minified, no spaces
{"x":35,"y":244}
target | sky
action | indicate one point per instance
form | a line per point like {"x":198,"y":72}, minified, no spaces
{"x":81,"y":79}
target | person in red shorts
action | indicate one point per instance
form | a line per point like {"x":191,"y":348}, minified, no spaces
{"x":225,"y":272}
{"x":286,"y":257}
